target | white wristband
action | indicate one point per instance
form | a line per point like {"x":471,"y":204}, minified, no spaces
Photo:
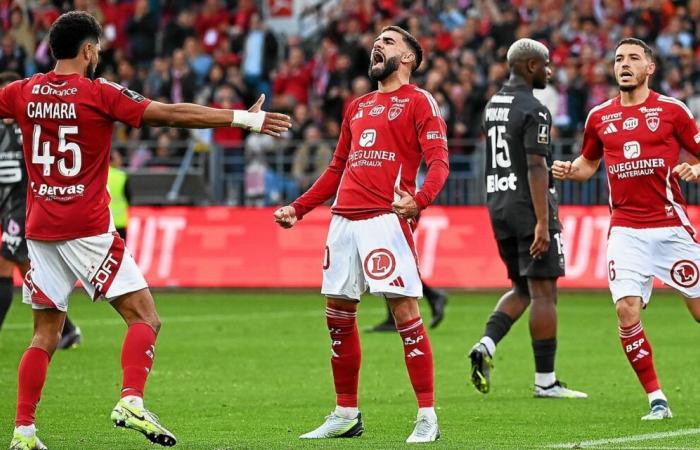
{"x":248,"y":120}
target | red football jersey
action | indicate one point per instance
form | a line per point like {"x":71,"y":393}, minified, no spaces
{"x":67,"y":123}
{"x":641,"y":144}
{"x":383,"y":138}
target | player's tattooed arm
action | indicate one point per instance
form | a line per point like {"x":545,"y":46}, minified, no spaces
{"x":580,"y":169}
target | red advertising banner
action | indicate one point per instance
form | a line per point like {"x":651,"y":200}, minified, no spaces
{"x":243,"y":247}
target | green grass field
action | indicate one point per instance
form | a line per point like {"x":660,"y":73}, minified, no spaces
{"x":246,"y":370}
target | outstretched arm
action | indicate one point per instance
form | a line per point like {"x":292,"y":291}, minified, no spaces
{"x":580,"y":169}
{"x":189,"y":115}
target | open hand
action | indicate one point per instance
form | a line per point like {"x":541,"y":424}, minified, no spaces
{"x":275,"y":123}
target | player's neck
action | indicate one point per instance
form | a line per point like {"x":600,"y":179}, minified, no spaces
{"x":392,"y":83}
{"x":518,"y":80}
{"x":634,"y":97}
{"x":68,"y":67}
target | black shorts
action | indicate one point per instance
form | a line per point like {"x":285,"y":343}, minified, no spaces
{"x":515,"y":253}
{"x":14,"y":245}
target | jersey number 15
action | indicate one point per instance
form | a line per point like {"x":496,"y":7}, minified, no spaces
{"x":41,"y":151}
{"x":500,"y":154}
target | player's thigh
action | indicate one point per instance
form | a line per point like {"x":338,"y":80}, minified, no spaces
{"x":7,"y":267}
{"x":104,"y":265}
{"x":549,"y":266}
{"x":342,"y":272}
{"x":50,"y":280}
{"x":630,"y":263}
{"x":677,"y":263}
{"x":508,"y":251}
{"x":389,"y":262}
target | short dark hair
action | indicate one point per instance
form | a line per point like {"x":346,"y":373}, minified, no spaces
{"x":411,"y":41}
{"x":8,"y":77}
{"x":634,"y":41}
{"x":70,"y":31}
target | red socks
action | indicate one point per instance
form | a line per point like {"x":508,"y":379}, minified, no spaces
{"x":31,"y":377}
{"x":638,"y":351}
{"x":345,"y":355}
{"x":137,"y":358}
{"x":419,"y":360}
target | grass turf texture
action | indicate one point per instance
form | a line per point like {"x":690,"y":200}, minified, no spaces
{"x":251,"y":370}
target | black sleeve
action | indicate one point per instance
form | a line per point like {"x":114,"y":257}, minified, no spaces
{"x":537,"y":124}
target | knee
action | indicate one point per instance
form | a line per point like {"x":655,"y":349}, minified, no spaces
{"x":628,"y":311}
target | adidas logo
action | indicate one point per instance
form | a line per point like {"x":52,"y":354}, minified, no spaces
{"x":642,"y":353}
{"x":610,"y":129}
{"x":415,"y":352}
{"x":358,"y":115}
{"x":398,"y":282}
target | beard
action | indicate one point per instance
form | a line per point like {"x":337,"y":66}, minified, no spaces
{"x":391,"y":65}
{"x":640,"y":80}
{"x":90,"y":71}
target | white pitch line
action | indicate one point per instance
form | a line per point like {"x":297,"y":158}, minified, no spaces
{"x":634,"y":438}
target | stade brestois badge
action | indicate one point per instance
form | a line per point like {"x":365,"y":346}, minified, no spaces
{"x":394,"y":111}
{"x":653,"y":123}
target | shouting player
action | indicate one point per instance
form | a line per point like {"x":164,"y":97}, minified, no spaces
{"x":523,"y":206}
{"x":384,"y":136}
{"x":67,"y":119}
{"x":640,"y":133}
{"x":13,"y":199}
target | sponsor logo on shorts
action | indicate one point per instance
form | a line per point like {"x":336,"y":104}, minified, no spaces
{"x":685,"y":273}
{"x":379,"y":264}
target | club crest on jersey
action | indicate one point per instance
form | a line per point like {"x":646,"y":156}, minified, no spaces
{"x":630,"y":123}
{"x":394,"y":112}
{"x":653,"y":123}
{"x":379,"y":264}
{"x":377,"y":110}
{"x":685,"y":273}
{"x":632,"y":149}
{"x":368,"y":138}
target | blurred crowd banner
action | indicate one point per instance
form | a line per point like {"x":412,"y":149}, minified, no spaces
{"x":243,"y":247}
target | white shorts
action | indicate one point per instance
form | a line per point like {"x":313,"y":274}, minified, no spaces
{"x":376,"y":252}
{"x":102,"y":264}
{"x":637,"y":255}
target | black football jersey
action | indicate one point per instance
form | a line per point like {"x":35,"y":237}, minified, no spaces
{"x":13,"y":174}
{"x":515,"y":124}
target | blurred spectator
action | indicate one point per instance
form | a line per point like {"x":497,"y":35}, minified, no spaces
{"x":311,"y":159}
{"x":176,"y":31}
{"x":180,"y":84}
{"x":141,"y":29}
{"x":228,"y":138}
{"x":259,"y":57}
{"x":127,"y":77}
{"x":12,"y":56}
{"x":211,"y":24}
{"x":21,"y":31}
{"x":293,"y":82}
{"x":199,"y":61}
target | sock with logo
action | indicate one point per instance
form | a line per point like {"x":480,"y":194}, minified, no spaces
{"x":138,"y":352}
{"x":5,"y":297}
{"x":419,"y":360}
{"x":31,"y":377}
{"x":346,"y":355}
{"x":638,"y":352}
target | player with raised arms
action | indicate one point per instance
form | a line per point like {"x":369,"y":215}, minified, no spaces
{"x":641,"y":135}
{"x":67,"y":119}
{"x":384,"y":136}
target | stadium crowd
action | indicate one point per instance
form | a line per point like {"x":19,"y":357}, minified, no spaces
{"x":221,"y":53}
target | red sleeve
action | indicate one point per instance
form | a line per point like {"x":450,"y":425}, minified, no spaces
{"x":9,"y":95}
{"x":122,"y":104}
{"x":592,"y":147}
{"x":327,"y":184}
{"x":432,"y":137}
{"x":687,"y":130}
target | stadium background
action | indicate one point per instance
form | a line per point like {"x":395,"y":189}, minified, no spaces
{"x":248,"y":368}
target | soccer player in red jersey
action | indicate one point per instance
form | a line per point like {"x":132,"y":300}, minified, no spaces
{"x":641,"y":134}
{"x":385,"y":135}
{"x":67,"y":119}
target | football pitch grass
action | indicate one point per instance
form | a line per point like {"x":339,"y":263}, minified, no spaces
{"x":250,"y":370}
